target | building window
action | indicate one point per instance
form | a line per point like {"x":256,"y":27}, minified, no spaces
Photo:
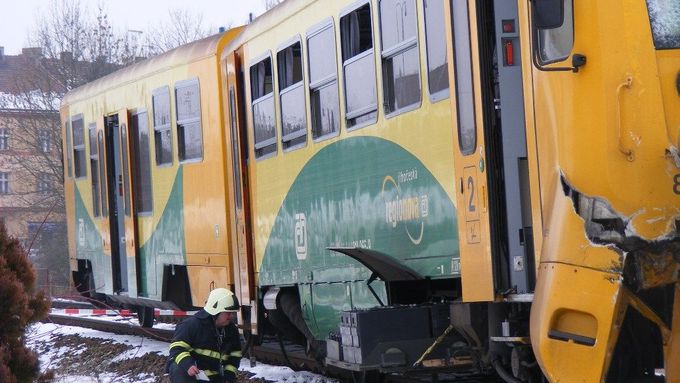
{"x":44,"y":183}
{"x":161,"y":126}
{"x":94,"y":170}
{"x":323,"y":82}
{"x":188,"y":108}
{"x":45,"y":140}
{"x":44,"y":236}
{"x":4,"y":183}
{"x":292,"y":97}
{"x":4,"y":138}
{"x":435,"y":42}
{"x":359,"y":67}
{"x":400,"y":62}
{"x":79,"y":146}
{"x":264,"y":119}
{"x":143,"y":196}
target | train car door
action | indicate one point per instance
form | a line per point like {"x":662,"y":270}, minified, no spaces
{"x":490,"y":162}
{"x":244,"y":278}
{"x":470,"y":159}
{"x":120,"y":204}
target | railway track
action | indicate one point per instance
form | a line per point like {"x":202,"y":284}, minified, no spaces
{"x":124,"y":328}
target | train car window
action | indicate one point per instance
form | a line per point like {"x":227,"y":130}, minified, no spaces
{"x":359,"y":67}
{"x":188,"y":109}
{"x":435,"y":43}
{"x":161,"y":125}
{"x":556,"y":44}
{"x":235,"y":155}
{"x":69,"y":150}
{"x":78,"y":126}
{"x":94,"y":169}
{"x":400,"y":62}
{"x":102,"y":175}
{"x":126,"y":168}
{"x":467,"y":129}
{"x":664,"y":16}
{"x":264,"y":119}
{"x":323,"y":82}
{"x":141,"y":163}
{"x":292,"y":97}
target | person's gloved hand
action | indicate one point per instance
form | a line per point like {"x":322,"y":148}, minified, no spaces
{"x":192,"y":371}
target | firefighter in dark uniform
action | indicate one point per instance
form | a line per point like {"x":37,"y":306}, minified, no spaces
{"x":208,"y":343}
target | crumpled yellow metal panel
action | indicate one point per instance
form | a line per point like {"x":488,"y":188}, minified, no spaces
{"x":562,"y":325}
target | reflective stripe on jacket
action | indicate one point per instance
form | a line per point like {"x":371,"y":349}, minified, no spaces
{"x":198,"y":342}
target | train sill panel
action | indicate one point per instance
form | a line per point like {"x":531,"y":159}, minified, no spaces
{"x":572,"y":334}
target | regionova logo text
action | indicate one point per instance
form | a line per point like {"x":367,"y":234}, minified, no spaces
{"x":405,"y":209}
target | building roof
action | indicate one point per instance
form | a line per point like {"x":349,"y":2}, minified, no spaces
{"x":28,"y":72}
{"x":10,"y":69}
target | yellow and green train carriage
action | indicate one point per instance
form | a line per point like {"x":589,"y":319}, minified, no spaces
{"x":383,"y":172}
{"x":351,"y":203}
{"x":145,"y":181}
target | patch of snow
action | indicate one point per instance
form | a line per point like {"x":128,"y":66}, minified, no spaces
{"x":103,"y":378}
{"x":46,"y":334}
{"x":33,"y":100}
{"x":282,"y":374}
{"x":143,"y":345}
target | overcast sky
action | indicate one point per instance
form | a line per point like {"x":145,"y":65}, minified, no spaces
{"x":19,"y":16}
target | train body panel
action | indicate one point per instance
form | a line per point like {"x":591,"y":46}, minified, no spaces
{"x":380,"y":198}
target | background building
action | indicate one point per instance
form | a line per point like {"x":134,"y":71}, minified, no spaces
{"x":31,"y":176}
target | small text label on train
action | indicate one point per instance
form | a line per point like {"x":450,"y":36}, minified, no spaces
{"x":300,"y":236}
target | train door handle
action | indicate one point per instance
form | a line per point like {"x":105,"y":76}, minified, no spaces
{"x":627,"y":151}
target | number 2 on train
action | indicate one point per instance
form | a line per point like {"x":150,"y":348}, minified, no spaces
{"x":471,"y":188}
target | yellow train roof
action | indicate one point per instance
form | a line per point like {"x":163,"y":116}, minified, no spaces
{"x":182,"y":55}
{"x":267,"y":21}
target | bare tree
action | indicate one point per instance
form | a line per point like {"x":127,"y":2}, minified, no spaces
{"x":269,"y":4}
{"x":60,"y":32}
{"x":31,"y":124}
{"x":182,"y":27}
{"x":70,"y":48}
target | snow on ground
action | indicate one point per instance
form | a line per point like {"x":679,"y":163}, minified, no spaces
{"x":80,"y":355}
